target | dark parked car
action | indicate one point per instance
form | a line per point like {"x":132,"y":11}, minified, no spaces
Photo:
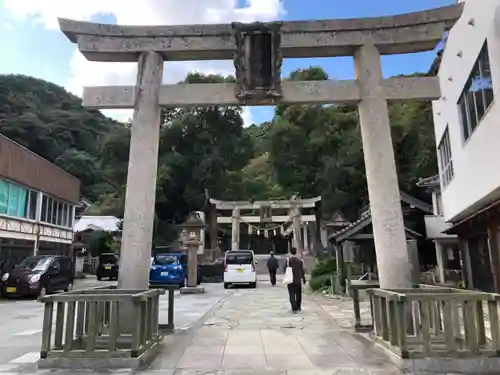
{"x":212,"y":272}
{"x":5,"y":267}
{"x":39,"y":275}
{"x":108,"y":267}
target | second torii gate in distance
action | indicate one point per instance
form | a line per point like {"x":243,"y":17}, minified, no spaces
{"x":294,"y":216}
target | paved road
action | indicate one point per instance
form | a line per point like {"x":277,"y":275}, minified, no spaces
{"x":21,"y":322}
{"x":235,"y":331}
{"x":21,"y":327}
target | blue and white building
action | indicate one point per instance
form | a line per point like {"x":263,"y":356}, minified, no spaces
{"x":37,"y":203}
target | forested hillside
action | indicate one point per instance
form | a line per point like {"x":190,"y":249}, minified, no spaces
{"x":52,"y":123}
{"x":312,"y":150}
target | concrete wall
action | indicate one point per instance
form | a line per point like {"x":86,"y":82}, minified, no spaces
{"x":476,"y":179}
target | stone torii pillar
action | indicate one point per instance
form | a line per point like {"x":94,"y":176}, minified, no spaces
{"x":140,"y":197}
{"x":393,"y":262}
{"x":297,"y":230}
{"x":235,"y":229}
{"x":305,"y":237}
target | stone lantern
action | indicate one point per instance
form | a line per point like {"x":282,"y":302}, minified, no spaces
{"x":192,"y":230}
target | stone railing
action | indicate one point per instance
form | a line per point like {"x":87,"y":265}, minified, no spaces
{"x":354,"y":288}
{"x":436,"y":322}
{"x":169,"y":326}
{"x":101,"y":327}
{"x":335,"y":285}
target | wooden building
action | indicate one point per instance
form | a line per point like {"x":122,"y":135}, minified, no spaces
{"x":360,"y":233}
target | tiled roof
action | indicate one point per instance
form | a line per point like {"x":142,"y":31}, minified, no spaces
{"x":338,"y":219}
{"x":412,"y":201}
{"x":354,"y":225}
{"x":366,"y":219}
{"x":432,"y":181}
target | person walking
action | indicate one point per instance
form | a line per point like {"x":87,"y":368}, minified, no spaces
{"x":298,"y":277}
{"x":272,"y":267}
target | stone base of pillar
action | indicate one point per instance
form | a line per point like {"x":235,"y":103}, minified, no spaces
{"x":192,"y":290}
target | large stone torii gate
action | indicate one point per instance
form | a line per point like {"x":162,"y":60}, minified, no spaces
{"x":258,"y":50}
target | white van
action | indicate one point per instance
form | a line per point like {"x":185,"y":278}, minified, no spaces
{"x":239,"y":268}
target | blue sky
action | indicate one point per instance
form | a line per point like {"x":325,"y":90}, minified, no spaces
{"x":34,"y":49}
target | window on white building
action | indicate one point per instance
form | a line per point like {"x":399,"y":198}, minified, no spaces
{"x":445,"y":161}
{"x":17,"y":201}
{"x":56,"y":212}
{"x":477,"y":95}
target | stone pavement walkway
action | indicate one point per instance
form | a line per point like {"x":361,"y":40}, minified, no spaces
{"x":252,"y":331}
{"x":339,"y":308}
{"x":21,"y":324}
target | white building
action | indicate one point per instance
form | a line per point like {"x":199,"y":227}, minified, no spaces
{"x":37,"y":204}
{"x":467,"y":129}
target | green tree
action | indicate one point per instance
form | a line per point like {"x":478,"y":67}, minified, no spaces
{"x":51,"y":122}
{"x":83,"y":165}
{"x":306,"y":149}
{"x":206,"y":150}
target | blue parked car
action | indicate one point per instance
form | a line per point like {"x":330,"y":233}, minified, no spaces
{"x":170,"y":269}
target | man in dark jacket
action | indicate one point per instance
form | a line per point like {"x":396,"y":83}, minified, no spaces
{"x":272,"y":267}
{"x":299,"y":277}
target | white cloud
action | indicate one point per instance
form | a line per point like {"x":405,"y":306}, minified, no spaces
{"x":144,"y":12}
{"x":247,"y":117}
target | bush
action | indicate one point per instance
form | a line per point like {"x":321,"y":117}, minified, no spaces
{"x":321,"y":273}
{"x":320,"y":282}
{"x":99,"y":243}
{"x":324,"y":266}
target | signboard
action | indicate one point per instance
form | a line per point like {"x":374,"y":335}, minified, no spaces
{"x":258,"y":60}
{"x":266,"y":214}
